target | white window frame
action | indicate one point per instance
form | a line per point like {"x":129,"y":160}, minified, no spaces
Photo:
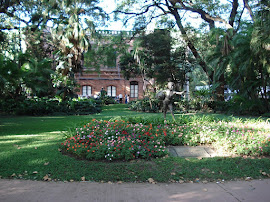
{"x":86,"y":91}
{"x":134,"y":89}
{"x":111,"y":91}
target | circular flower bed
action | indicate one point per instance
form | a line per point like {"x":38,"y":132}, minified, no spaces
{"x":99,"y":140}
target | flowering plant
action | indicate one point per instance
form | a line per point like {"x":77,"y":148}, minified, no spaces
{"x":99,"y":140}
{"x":120,"y":139}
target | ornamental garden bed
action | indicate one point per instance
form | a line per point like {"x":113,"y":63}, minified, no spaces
{"x":125,"y":140}
{"x":99,"y":140}
{"x":30,"y":147}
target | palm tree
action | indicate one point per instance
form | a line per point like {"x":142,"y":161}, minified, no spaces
{"x":70,"y":37}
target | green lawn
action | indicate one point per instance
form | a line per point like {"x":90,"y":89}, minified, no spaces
{"x":29,"y":149}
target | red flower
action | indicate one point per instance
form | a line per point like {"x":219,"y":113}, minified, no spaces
{"x":124,"y":132}
{"x":165,"y":134}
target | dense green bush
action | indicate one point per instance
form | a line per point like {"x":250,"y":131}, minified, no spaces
{"x":202,"y":100}
{"x":43,"y":106}
{"x":106,"y":100}
{"x":145,"y":105}
{"x":241,"y":106}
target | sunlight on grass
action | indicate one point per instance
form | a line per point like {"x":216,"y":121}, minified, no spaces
{"x":51,"y":117}
{"x":10,"y":124}
{"x":6,"y":141}
{"x":256,"y":125}
{"x":37,"y":161}
{"x":56,"y":132}
{"x":27,"y":143}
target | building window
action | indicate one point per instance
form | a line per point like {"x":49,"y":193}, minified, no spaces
{"x":111,"y":91}
{"x":86,"y":91}
{"x":134,"y":89}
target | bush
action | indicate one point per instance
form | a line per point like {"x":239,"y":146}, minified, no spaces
{"x":99,"y":140}
{"x":84,"y":106}
{"x":42,"y":106}
{"x":241,"y":106}
{"x":200,"y":100}
{"x":145,"y":105}
{"x":106,"y":100}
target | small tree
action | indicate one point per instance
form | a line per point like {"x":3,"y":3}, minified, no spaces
{"x":155,"y":57}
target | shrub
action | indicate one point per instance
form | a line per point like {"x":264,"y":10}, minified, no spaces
{"x":106,"y":100}
{"x":43,"y":106}
{"x":99,"y":140}
{"x":145,"y":105}
{"x":200,"y":100}
{"x":84,"y":106}
{"x":241,"y":106}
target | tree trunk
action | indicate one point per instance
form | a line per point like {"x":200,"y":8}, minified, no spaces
{"x":191,"y":45}
{"x":220,"y":89}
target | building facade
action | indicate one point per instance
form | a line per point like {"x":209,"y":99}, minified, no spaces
{"x":110,"y":79}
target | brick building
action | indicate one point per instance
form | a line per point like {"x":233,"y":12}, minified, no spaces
{"x":110,"y":79}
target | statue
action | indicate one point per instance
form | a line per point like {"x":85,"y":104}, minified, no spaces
{"x":166,"y":96}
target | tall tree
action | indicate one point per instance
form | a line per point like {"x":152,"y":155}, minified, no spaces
{"x":66,"y":17}
{"x":70,"y":37}
{"x":210,"y":12}
{"x":155,"y":56}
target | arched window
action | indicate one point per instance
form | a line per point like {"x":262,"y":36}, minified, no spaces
{"x":134,"y":89}
{"x":111,"y":91}
{"x":86,"y":91}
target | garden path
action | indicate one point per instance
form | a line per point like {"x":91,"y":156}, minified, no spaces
{"x":235,"y":191}
{"x":197,"y":151}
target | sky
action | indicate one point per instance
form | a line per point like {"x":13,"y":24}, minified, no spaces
{"x":110,"y":5}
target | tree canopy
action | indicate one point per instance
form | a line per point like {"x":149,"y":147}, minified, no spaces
{"x":228,"y":40}
{"x":226,"y":21}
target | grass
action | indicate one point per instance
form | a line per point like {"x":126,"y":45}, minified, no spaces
{"x":29,"y":149}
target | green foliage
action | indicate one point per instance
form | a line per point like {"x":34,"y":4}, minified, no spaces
{"x":155,"y":121}
{"x":31,"y":144}
{"x":104,"y":99}
{"x":154,"y":56}
{"x":10,"y":78}
{"x":100,"y":140}
{"x":200,"y":99}
{"x":123,"y":138}
{"x":27,"y":76}
{"x":105,"y":50}
{"x":240,"y":105}
{"x":145,"y":105}
{"x":107,"y":100}
{"x":38,"y":43}
{"x":129,"y":67}
{"x":37,"y":77}
{"x":43,"y":106}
